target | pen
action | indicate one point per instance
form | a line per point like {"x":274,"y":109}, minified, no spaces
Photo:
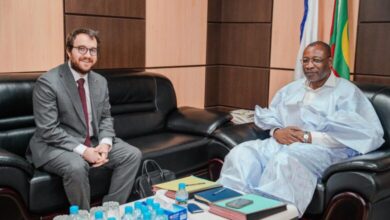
{"x":194,"y":184}
{"x":219,"y":191}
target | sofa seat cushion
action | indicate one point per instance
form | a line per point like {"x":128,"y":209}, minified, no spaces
{"x":47,"y":192}
{"x":174,"y":151}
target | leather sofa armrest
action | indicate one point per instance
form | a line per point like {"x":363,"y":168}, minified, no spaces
{"x":198,"y":121}
{"x":236,"y":134}
{"x":8,"y":159}
{"x":378,"y":161}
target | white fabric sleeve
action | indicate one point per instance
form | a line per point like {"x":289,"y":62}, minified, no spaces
{"x":80,"y":149}
{"x":321,"y":138}
{"x":271,"y":132}
{"x":107,"y":140}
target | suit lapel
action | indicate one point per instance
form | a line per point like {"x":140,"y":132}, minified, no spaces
{"x":71,"y":88}
{"x":93,"y":94}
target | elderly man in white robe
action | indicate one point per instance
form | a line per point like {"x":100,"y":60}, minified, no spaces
{"x":314,"y":122}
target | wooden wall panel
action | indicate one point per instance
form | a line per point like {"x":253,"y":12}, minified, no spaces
{"x":278,"y":79}
{"x":240,"y":87}
{"x":287,"y":16}
{"x":373,"y":49}
{"x":238,"y":45}
{"x":189,"y":84}
{"x":214,"y":11}
{"x":212,"y":89}
{"x":383,"y":80}
{"x":121,"y":8}
{"x":247,"y":11}
{"x":176,"y":32}
{"x":122,"y":40}
{"x":374,"y":11}
{"x":213,"y":43}
{"x":245,"y":44}
{"x":31,"y":35}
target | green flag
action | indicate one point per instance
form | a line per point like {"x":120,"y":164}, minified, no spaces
{"x":339,"y":39}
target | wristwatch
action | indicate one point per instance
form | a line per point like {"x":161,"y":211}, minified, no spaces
{"x":306,"y":136}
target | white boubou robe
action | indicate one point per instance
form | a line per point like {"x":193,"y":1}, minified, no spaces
{"x":342,"y":122}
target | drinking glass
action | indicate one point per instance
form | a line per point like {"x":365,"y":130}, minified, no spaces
{"x":95,"y":209}
{"x":62,"y":217}
{"x":112,"y":209}
{"x":84,"y":215}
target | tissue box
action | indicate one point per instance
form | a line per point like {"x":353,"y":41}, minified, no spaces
{"x":176,"y":213}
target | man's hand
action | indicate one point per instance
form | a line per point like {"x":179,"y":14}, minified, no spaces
{"x":91,"y":155}
{"x":103,"y":150}
{"x":288,"y":135}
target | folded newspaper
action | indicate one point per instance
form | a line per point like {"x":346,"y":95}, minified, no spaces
{"x":242,"y":116}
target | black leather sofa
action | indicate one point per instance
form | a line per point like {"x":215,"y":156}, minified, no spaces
{"x":145,"y":115}
{"x":357,"y":188}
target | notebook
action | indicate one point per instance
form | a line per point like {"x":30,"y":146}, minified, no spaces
{"x":193,"y":184}
{"x":215,"y":195}
{"x":260,"y":208}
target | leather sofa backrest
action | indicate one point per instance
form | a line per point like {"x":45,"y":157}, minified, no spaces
{"x":140,"y":103}
{"x":16,"y":115}
{"x":379,"y":95}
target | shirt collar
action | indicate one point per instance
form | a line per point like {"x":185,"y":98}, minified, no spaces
{"x":330,"y":82}
{"x":77,"y":75}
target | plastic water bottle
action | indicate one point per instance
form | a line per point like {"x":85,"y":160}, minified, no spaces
{"x":147,"y":216}
{"x":182,"y":194}
{"x":161,"y":215}
{"x":156,"y":206}
{"x":128,"y":213}
{"x":74,"y":212}
{"x":99,"y":215}
{"x":150,"y":204}
{"x":137,"y":211}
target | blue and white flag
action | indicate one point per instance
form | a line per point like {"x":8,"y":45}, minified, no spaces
{"x":309,"y":32}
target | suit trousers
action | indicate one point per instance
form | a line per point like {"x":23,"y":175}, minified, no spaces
{"x":124,"y":160}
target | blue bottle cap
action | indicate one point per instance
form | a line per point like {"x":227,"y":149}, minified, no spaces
{"x":156,"y":206}
{"x":74,"y":209}
{"x":128,"y":210}
{"x":138,"y":205}
{"x":149,"y":201}
{"x":147,"y":216}
{"x":98,"y":215}
{"x":160,"y":211}
{"x":182,"y":185}
{"x":144,"y":209}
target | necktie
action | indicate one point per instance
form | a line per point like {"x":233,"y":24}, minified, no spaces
{"x":83,"y":98}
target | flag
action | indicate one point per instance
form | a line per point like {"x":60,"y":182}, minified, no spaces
{"x":309,"y":32}
{"x":339,"y":39}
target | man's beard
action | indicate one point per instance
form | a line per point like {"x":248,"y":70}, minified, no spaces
{"x":78,"y":69}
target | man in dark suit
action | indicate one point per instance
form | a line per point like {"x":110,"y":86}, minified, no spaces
{"x":75,"y":128}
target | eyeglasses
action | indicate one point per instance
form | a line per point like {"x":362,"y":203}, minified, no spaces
{"x":83,"y":50}
{"x":315,"y":60}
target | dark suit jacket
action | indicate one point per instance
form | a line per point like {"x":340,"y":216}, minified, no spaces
{"x":59,"y":114}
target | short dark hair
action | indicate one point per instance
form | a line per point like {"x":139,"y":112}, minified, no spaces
{"x":72,"y":36}
{"x":322,"y":44}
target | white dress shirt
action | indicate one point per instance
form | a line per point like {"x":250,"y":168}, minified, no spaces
{"x":81,"y":147}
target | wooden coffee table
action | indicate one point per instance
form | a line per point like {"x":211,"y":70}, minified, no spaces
{"x":290,"y":213}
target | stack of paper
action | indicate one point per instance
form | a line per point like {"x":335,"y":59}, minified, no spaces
{"x":193,"y":184}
